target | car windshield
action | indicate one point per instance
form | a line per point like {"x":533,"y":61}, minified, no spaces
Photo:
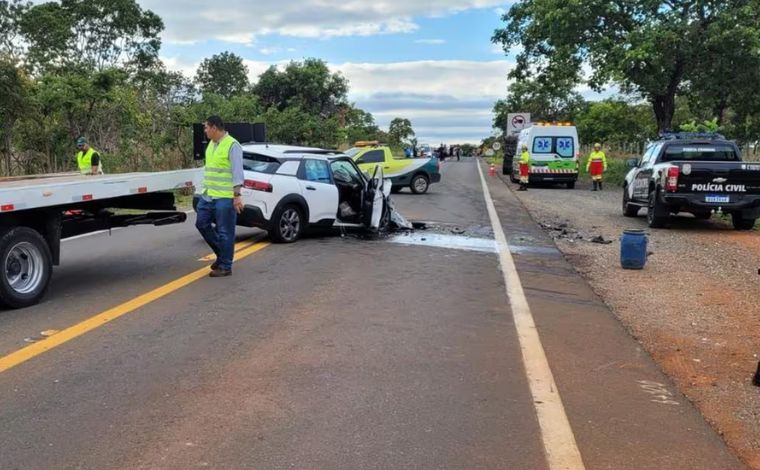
{"x":260,"y":163}
{"x":700,"y":152}
{"x":352,"y":152}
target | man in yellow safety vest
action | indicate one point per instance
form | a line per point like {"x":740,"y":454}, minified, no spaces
{"x":88,"y":159}
{"x":220,"y":202}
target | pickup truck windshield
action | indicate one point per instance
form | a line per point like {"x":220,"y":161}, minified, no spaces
{"x":700,"y":152}
{"x":352,"y":152}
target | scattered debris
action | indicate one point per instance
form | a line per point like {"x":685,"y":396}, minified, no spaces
{"x":600,"y":240}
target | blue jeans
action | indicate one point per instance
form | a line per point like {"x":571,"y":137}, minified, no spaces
{"x":216,"y":221}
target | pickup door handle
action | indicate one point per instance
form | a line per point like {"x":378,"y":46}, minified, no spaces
{"x":311,"y":188}
{"x":387,"y":168}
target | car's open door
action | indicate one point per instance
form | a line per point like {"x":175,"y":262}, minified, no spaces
{"x":374,"y":200}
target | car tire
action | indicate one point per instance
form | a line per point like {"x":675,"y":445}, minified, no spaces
{"x":570,"y":185}
{"x":513,"y":179}
{"x":741,"y":223}
{"x":287,"y":224}
{"x":655,"y":216}
{"x":27,"y":267}
{"x":420,"y":184}
{"x":629,"y":210}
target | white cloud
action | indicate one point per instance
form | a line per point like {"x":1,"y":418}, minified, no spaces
{"x":434,"y":42}
{"x":241,"y":21}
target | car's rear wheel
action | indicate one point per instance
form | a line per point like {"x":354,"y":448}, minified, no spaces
{"x":287,"y":224}
{"x":657,"y":216}
{"x":741,"y":223}
{"x":420,"y":184}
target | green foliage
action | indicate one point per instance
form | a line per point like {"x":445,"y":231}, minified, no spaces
{"x":654,"y":50}
{"x":223,"y":74}
{"x":308,"y":85}
{"x":706,"y":126}
{"x":400,"y":132}
{"x":615,"y":121}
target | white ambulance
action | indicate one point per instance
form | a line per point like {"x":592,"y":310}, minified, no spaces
{"x":554,"y":153}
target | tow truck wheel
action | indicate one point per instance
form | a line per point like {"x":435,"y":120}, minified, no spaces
{"x":655,"y":216}
{"x":420,"y":184}
{"x":27,"y":267}
{"x":740,"y":223}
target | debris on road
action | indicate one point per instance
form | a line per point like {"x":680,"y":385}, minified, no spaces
{"x":600,"y":240}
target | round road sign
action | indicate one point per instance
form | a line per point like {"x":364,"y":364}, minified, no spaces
{"x":518,"y":122}
{"x":496,"y":146}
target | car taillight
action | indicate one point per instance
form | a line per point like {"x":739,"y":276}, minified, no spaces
{"x":257,"y":186}
{"x":671,"y":184}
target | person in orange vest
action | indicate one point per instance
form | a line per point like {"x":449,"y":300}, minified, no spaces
{"x":524,"y":168}
{"x":596,"y":166}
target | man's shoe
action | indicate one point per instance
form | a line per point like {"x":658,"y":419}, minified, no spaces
{"x":215,"y":266}
{"x":220,"y":273}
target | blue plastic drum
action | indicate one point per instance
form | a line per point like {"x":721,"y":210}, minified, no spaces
{"x":633,"y":249}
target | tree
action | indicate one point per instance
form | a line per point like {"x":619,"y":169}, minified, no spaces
{"x":309,"y":85}
{"x":359,"y":125}
{"x":650,"y":49}
{"x":223,"y":74}
{"x":11,"y":13}
{"x":400,"y":131}
{"x":14,"y":87}
{"x":615,"y":121}
{"x":99,"y":34}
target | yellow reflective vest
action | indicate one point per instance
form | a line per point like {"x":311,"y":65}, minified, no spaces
{"x":217,"y":176}
{"x":597,"y":156}
{"x":84,"y":160}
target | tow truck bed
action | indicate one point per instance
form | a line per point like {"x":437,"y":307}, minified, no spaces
{"x":37,"y":212}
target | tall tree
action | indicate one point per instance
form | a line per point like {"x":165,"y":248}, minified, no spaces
{"x":648,"y":48}
{"x":11,"y":13}
{"x":99,"y":34}
{"x":223,"y":74}
{"x":400,"y":131}
{"x":14,"y":87}
{"x":310,"y":85}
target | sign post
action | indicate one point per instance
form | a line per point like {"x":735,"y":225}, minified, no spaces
{"x":517,"y":122}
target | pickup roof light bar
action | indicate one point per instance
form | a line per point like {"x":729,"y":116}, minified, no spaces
{"x":691,"y":136}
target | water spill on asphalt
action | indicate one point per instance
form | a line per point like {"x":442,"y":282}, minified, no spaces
{"x":439,"y":240}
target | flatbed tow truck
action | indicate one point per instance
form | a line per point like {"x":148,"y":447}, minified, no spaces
{"x":37,"y":212}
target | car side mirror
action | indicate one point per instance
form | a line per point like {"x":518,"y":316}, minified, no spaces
{"x":359,"y":161}
{"x":633,"y":163}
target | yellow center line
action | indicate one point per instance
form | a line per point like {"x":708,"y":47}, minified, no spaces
{"x":29,"y":352}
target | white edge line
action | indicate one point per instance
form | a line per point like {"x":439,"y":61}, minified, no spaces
{"x":559,"y":442}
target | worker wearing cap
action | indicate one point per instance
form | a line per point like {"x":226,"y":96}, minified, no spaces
{"x":220,"y":202}
{"x":524,"y":168}
{"x":88,"y":159}
{"x":596,"y":166}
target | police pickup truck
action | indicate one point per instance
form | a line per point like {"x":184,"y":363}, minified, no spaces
{"x":701,"y":174}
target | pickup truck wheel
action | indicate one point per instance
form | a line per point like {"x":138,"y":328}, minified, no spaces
{"x":570,"y":185}
{"x":287,"y":224}
{"x":629,"y":210}
{"x":740,"y":223}
{"x":655,"y":216}
{"x":27,"y":267}
{"x":420,"y":184}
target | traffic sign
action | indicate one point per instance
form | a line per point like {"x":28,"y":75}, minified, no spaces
{"x":496,"y":146}
{"x":517,"y":122}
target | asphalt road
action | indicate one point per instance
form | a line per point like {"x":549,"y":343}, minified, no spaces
{"x":335,"y":353}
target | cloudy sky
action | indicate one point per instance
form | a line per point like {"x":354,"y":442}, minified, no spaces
{"x":428,"y":60}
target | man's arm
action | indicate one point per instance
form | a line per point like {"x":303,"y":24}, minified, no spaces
{"x":238,"y":177}
{"x":95,"y":163}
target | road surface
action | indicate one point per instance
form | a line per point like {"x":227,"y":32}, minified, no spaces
{"x":338,"y":353}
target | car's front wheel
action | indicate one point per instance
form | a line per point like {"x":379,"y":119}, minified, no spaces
{"x":657,"y":216}
{"x":741,"y":223}
{"x":287,"y":224}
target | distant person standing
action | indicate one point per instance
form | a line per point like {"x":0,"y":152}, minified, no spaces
{"x":442,"y":153}
{"x":524,"y":168}
{"x":596,"y":166}
{"x":220,"y":202}
{"x":88,"y":159}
